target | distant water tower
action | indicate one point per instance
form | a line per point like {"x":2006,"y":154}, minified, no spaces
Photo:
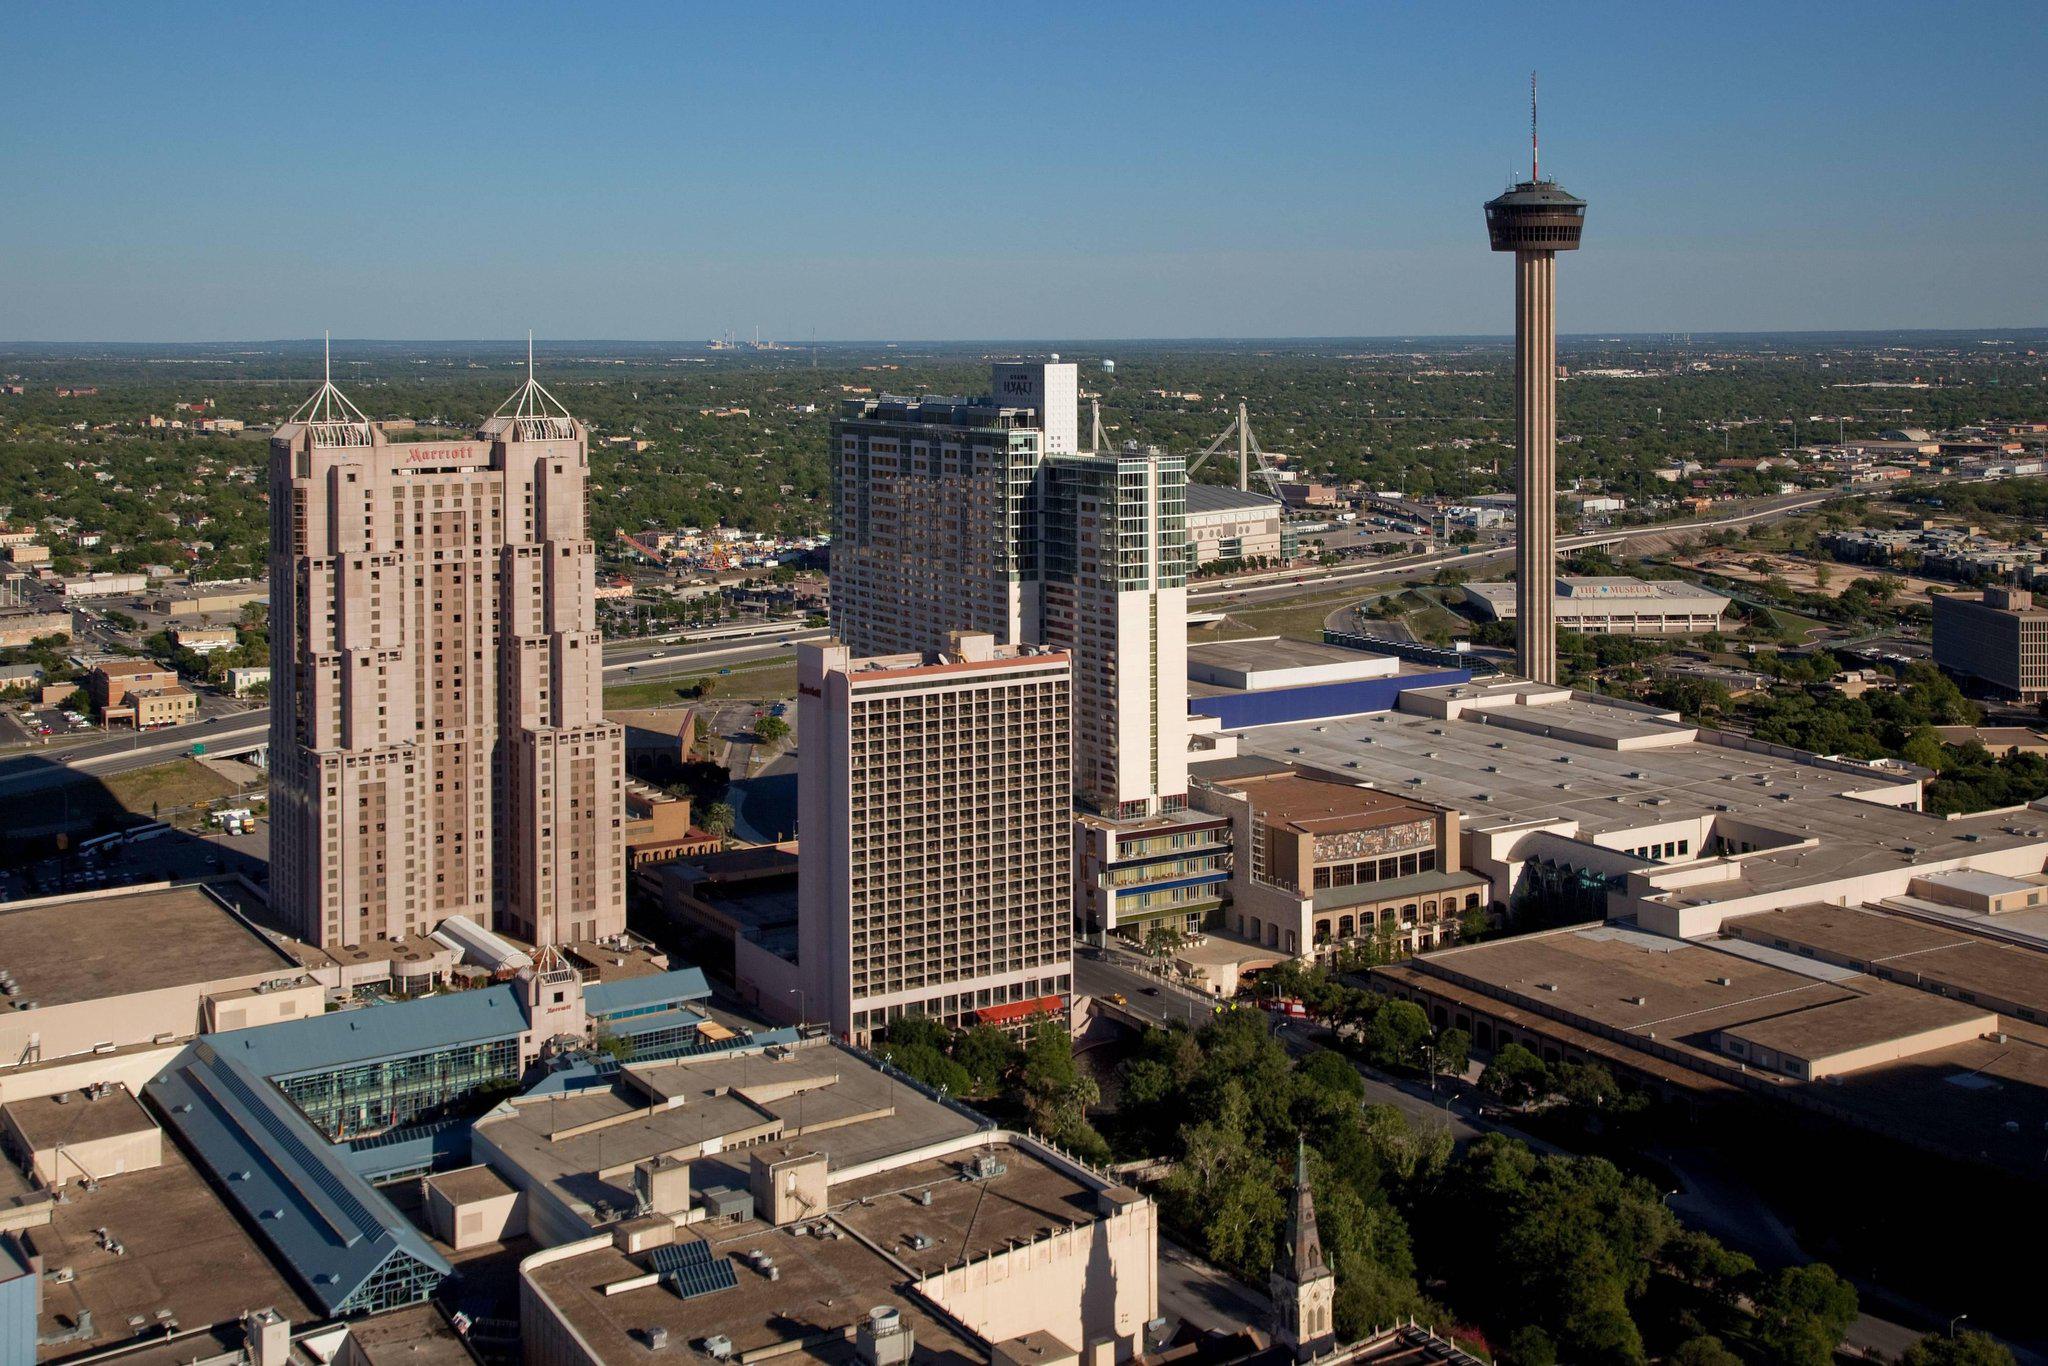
{"x":1109,"y":367}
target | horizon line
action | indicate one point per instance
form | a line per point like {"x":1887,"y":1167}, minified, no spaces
{"x":704,"y":344}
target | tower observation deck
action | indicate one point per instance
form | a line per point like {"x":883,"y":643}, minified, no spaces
{"x":1535,"y":219}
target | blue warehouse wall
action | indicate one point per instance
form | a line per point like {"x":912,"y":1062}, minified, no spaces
{"x":1318,"y":700}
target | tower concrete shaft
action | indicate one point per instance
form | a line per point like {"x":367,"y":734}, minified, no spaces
{"x":1536,"y":465}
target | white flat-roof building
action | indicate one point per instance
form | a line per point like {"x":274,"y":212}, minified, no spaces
{"x":1273,"y":662}
{"x":1615,"y":605}
{"x":1619,"y":809}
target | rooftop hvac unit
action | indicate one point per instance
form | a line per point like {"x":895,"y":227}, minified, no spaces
{"x":919,"y":1242}
{"x":657,"y":1338}
{"x":718,"y":1347}
{"x":885,"y":1339}
{"x":924,"y":1197}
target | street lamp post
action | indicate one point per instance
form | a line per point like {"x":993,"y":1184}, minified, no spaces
{"x":803,"y":1008}
{"x":1954,"y":1321}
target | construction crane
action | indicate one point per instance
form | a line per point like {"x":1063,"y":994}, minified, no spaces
{"x":1247,"y":448}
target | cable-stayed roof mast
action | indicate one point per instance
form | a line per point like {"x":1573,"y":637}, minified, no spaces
{"x":538,"y":414}
{"x":328,"y":414}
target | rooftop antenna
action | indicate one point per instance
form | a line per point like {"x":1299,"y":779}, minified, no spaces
{"x":1532,"y":128}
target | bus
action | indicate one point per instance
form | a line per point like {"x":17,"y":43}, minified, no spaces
{"x":103,"y":844}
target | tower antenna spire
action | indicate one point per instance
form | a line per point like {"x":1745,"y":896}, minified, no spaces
{"x":529,"y":355}
{"x":327,"y":357}
{"x":1533,"y":175}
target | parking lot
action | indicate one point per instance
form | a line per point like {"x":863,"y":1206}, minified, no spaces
{"x":29,"y":725}
{"x":175,"y":855}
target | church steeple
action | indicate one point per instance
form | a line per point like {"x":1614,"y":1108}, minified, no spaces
{"x":1303,"y":1288}
{"x":1304,"y":1247}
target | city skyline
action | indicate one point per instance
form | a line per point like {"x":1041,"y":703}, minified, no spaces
{"x":1292,"y":175}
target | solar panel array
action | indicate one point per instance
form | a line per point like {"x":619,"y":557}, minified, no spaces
{"x":690,"y":1270}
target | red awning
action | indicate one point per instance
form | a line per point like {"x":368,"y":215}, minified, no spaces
{"x":1020,"y":1010}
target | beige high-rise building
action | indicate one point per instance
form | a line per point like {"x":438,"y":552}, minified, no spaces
{"x":936,"y":813}
{"x":438,"y":744}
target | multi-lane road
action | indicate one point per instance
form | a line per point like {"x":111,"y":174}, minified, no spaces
{"x":44,"y":768}
{"x":1249,"y":589}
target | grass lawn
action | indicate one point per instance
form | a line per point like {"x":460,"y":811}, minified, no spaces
{"x":182,"y":782}
{"x":177,"y":784}
{"x":1296,"y":618}
{"x":769,"y":681}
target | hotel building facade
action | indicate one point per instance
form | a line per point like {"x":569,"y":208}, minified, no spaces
{"x":438,"y":743}
{"x":935,"y":797}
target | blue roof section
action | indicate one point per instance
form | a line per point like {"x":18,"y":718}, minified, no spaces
{"x":327,"y":1224}
{"x":661,"y":988}
{"x":441,"y":1143}
{"x":373,"y":1032}
{"x":307,"y":1197}
{"x":1316,"y":701}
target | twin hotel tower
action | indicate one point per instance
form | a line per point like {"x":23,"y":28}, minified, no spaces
{"x":1011,"y":614}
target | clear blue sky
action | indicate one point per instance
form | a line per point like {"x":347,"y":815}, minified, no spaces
{"x":670,"y":170}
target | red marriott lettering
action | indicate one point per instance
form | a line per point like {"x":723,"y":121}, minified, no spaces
{"x":435,"y":455}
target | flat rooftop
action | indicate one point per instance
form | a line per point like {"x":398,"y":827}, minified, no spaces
{"x":1669,"y":990}
{"x":824,"y":1288}
{"x":1217,"y":498}
{"x":1613,"y":770}
{"x":78,"y":1117}
{"x":1612,"y":593}
{"x":416,"y":1336}
{"x":1823,"y":1031}
{"x":1403,"y":668}
{"x":965,"y":1219}
{"x":1273,"y":652}
{"x":467,"y":1185}
{"x":1908,"y":950}
{"x":182,"y":1250}
{"x":1317,"y":804}
{"x":63,"y":950}
{"x":583,"y":1144}
{"x":1983,"y":1099}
